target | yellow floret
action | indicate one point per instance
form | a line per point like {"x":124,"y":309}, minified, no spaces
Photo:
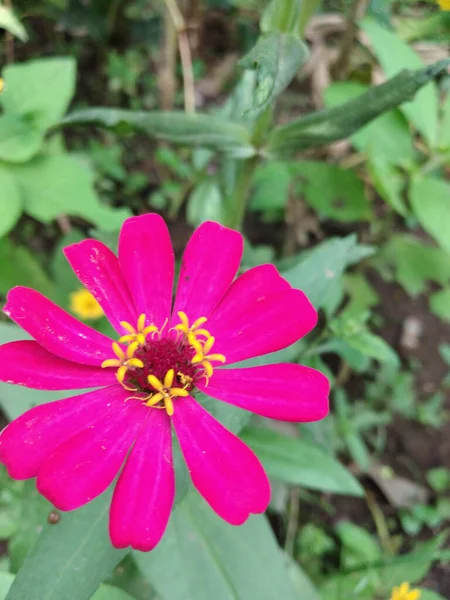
{"x":84,"y":305}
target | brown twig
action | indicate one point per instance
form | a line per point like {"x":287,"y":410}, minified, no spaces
{"x":166,"y":73}
{"x":341,"y":67}
{"x":185,"y":54}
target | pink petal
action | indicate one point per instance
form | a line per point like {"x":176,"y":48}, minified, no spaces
{"x":99,"y":271}
{"x":29,"y":364}
{"x":55,"y":330}
{"x":82,"y":467}
{"x":249,"y":288}
{"x":209,"y":265}
{"x":258,"y":327}
{"x":147,"y":263}
{"x":144,"y":494}
{"x":223,"y":469}
{"x":285,"y":392}
{"x":31,"y":438}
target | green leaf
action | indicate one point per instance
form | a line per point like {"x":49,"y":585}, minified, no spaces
{"x":70,"y":558}
{"x":60,"y":184}
{"x":11,"y":23}
{"x":379,"y":579}
{"x":394,"y":55}
{"x":430,"y":201}
{"x":205,"y":203}
{"x":20,"y":267}
{"x":440,"y":304}
{"x":202,"y":557}
{"x":387,"y":136}
{"x":203,"y":130}
{"x":300,"y":462}
{"x":33,"y":513}
{"x":10,"y":202}
{"x":429,"y":595}
{"x":276,"y":57}
{"x":414,"y":263}
{"x":444,"y":139}
{"x":104,"y":592}
{"x":360,"y":548}
{"x":326,"y":126}
{"x":321,"y":268}
{"x":271,"y":183}
{"x":388,"y":182}
{"x":40,"y":89}
{"x":19,"y":138}
{"x":332,"y":191}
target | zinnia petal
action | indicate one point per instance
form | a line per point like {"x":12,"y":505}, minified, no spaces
{"x":28,"y":440}
{"x":147,"y":262}
{"x":55,"y":330}
{"x":284,"y":391}
{"x":98,"y":269}
{"x":82,"y":467}
{"x":249,"y":288}
{"x":144,"y":494}
{"x":223,"y":469}
{"x":29,"y":364}
{"x":270,"y":323}
{"x":209,"y":265}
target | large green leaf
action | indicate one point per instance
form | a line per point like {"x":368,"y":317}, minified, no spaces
{"x":10,"y":201}
{"x":387,"y":135}
{"x":394,"y":55}
{"x":104,"y":592}
{"x":430,"y":201}
{"x":11,"y":23}
{"x":202,"y":557}
{"x":332,"y":191}
{"x":40,"y":89}
{"x":326,"y":126}
{"x":276,"y":57}
{"x":59,"y":184}
{"x":300,"y":462}
{"x":19,"y":138}
{"x":71,"y":558}
{"x":320,"y":270}
{"x":444,"y":140}
{"x":177,"y":127}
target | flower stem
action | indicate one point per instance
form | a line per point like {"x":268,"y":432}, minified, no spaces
{"x":238,"y":200}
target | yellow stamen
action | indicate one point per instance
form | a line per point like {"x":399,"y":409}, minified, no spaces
{"x":124,"y":361}
{"x":193,"y":331}
{"x":204,"y":359}
{"x":137,"y":334}
{"x":185,"y":379}
{"x":165,"y":392}
{"x":404,"y":592}
{"x":84,"y":305}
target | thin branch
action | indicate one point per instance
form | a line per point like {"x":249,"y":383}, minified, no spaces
{"x":185,"y":54}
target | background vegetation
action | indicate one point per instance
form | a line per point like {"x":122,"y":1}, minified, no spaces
{"x":276,"y":127}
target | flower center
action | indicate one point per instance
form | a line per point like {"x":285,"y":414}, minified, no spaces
{"x":158,"y":367}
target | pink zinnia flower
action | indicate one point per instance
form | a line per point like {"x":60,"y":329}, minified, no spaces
{"x":76,"y":447}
